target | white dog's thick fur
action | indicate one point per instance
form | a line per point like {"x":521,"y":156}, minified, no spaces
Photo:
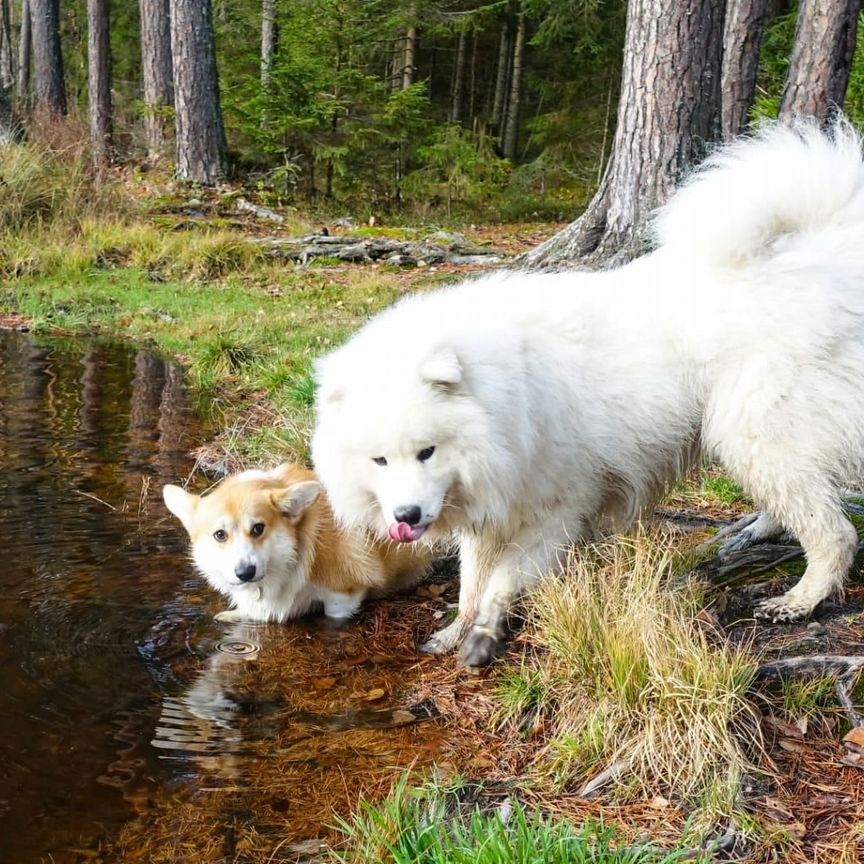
{"x":560,"y":403}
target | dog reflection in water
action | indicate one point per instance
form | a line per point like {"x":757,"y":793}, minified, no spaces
{"x":211,"y":722}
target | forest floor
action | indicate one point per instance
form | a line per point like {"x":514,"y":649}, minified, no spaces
{"x":194,"y":279}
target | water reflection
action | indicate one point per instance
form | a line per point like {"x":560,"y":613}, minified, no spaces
{"x":86,"y":428}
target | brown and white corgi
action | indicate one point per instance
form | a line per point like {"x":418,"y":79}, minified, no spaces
{"x":267,"y":540}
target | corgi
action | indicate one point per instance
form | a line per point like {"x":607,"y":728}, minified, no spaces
{"x":268,"y":541}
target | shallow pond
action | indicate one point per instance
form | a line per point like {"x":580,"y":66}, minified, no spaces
{"x":119,"y":696}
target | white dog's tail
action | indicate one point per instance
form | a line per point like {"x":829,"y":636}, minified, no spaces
{"x":783,"y":180}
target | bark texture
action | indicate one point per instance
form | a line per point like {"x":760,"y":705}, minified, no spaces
{"x":7,"y":132}
{"x":47,"y":56}
{"x":25,"y":52}
{"x":409,"y":58}
{"x":201,"y":147}
{"x":742,"y":41}
{"x":157,"y":73}
{"x":822,"y":58}
{"x":668,"y":109}
{"x":268,"y":41}
{"x":99,"y":81}
{"x":501,"y":77}
{"x":458,"y":79}
{"x":7,"y":52}
{"x":511,"y":127}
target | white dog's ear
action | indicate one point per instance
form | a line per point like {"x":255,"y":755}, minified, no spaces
{"x":280,"y":471}
{"x":294,"y":501}
{"x":442,"y":369}
{"x":181,"y":503}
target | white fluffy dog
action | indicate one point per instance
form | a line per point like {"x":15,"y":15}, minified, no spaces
{"x":523,"y":411}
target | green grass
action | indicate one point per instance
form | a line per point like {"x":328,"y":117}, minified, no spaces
{"x":724,"y":491}
{"x":429,"y":826}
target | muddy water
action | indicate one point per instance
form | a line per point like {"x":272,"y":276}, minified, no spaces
{"x":125,"y":712}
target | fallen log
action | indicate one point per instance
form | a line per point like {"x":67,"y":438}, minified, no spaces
{"x":401,"y":253}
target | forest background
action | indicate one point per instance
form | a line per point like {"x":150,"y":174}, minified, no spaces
{"x":448,"y":109}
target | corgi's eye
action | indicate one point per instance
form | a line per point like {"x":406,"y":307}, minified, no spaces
{"x":425,"y":453}
{"x":379,"y":460}
{"x":257,"y":529}
{"x":220,"y":536}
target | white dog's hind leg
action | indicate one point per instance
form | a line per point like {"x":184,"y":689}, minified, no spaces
{"x":518,"y":568}
{"x":830,"y":542}
{"x":470,"y":574}
{"x":766,"y":527}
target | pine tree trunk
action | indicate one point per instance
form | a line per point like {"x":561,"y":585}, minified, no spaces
{"x":99,"y":81}
{"x":201,"y":146}
{"x":25,"y":51}
{"x":742,"y":40}
{"x":822,"y":58}
{"x":501,"y":76}
{"x":668,"y":109}
{"x":7,"y":52}
{"x":511,"y":130}
{"x":47,"y":57}
{"x":268,"y":42}
{"x":409,"y":58}
{"x":157,"y":73}
{"x":458,"y":80}
{"x":7,"y":129}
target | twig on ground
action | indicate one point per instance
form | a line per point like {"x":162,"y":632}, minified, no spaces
{"x":734,"y":528}
{"x":607,"y":775}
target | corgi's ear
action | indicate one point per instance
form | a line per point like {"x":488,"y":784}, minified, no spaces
{"x":294,"y":501}
{"x":181,"y":503}
{"x":442,"y":369}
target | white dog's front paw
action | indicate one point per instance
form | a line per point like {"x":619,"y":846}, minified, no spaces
{"x":481,"y":647}
{"x":230,"y":616}
{"x":784,"y":610}
{"x":446,"y":639}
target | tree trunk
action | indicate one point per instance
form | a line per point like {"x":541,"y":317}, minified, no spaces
{"x":201,"y":146}
{"x":742,"y":40}
{"x":99,"y":81}
{"x":157,"y":73}
{"x":511,"y":130}
{"x":7,"y":130}
{"x":668,"y":109}
{"x":822,"y":58}
{"x":47,"y":56}
{"x":25,"y":50}
{"x":409,"y":58}
{"x":501,"y":76}
{"x":268,"y":42}
{"x":458,"y":80}
{"x":7,"y":61}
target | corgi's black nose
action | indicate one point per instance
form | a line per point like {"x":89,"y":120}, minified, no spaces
{"x":411,"y":515}
{"x":245,"y":572}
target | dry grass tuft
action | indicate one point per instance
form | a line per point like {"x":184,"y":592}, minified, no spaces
{"x":628,"y":675}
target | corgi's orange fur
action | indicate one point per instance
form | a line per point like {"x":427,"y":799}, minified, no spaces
{"x":268,"y":541}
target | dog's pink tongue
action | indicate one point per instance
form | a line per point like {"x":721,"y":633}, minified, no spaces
{"x":402,"y":532}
